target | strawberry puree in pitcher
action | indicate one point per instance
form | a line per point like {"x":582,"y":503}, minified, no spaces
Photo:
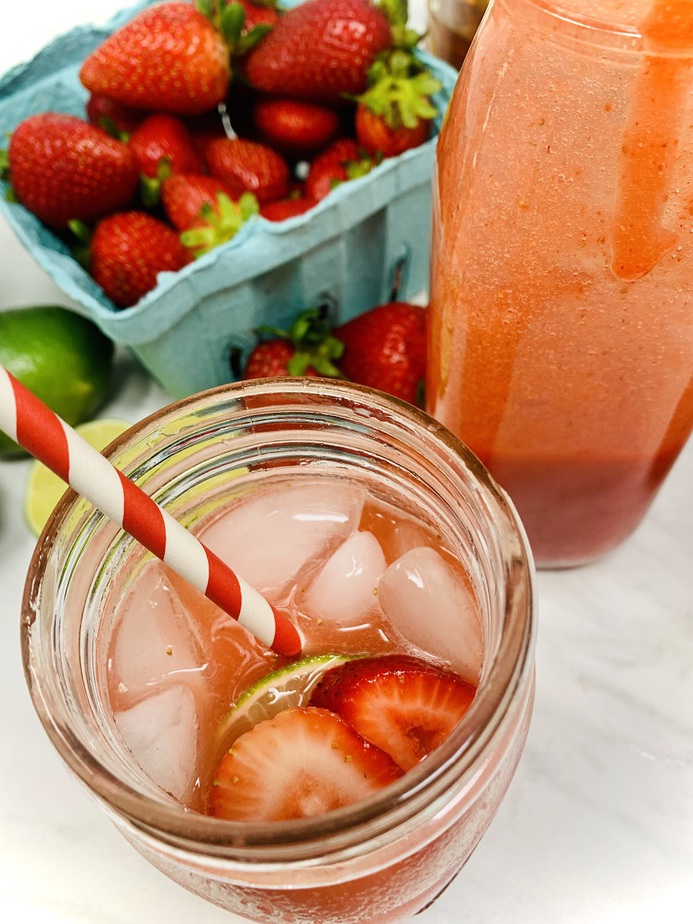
{"x":561,"y":338}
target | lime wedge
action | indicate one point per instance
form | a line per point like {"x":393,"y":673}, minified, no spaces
{"x":288,"y":687}
{"x":44,"y":489}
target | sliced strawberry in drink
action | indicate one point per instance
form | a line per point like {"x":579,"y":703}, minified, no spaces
{"x":403,"y":705}
{"x":302,"y":762}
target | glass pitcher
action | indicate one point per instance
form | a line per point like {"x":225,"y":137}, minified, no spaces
{"x":561,"y":337}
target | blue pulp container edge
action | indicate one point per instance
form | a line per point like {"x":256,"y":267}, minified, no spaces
{"x":321,"y":248}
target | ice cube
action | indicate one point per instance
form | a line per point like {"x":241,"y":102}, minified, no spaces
{"x":434,"y":609}
{"x":161,"y":733}
{"x":344,"y":590}
{"x":270,"y":537}
{"x":156,"y":639}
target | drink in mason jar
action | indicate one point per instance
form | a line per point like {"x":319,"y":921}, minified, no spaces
{"x":252,"y":780}
{"x":561,"y":339}
{"x":355,"y":575}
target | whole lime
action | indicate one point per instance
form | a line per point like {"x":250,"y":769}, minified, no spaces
{"x":61,"y":356}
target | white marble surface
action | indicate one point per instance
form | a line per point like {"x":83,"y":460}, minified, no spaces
{"x":597,"y":827}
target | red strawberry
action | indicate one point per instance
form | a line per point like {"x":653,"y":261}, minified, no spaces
{"x":385,"y":348}
{"x":168,"y":58}
{"x":129,"y":250}
{"x":377,"y":137}
{"x":184,"y":195}
{"x":248,"y":166}
{"x":270,"y":358}
{"x":319,"y":50}
{"x":306,"y":349}
{"x":114,"y":118}
{"x":401,"y":704}
{"x":163,"y":138}
{"x":301,"y":763}
{"x":296,"y":128}
{"x":202,"y":208}
{"x":396,"y":112}
{"x":341,"y":161}
{"x":63,"y":168}
{"x":281,"y":209}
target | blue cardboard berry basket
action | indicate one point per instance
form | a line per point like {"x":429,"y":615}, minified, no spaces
{"x":368,"y":239}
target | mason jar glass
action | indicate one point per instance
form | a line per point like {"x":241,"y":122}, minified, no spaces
{"x":377,"y":860}
{"x":561,"y":322}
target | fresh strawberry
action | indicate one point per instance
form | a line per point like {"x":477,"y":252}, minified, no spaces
{"x":164,"y":139}
{"x":62,"y":168}
{"x":113,"y":117}
{"x":129,"y":250}
{"x":319,"y":50}
{"x":301,"y":763}
{"x":202,"y":208}
{"x":168,"y":58}
{"x":295,"y":128}
{"x":402,"y":705}
{"x":396,"y":112}
{"x":307,"y":348}
{"x":281,"y":209}
{"x":184,"y":195}
{"x":385,"y":348}
{"x":272,"y":357}
{"x":376,"y":136}
{"x":341,"y":161}
{"x":248,"y":166}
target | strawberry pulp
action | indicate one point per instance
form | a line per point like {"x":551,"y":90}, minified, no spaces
{"x":357,"y":575}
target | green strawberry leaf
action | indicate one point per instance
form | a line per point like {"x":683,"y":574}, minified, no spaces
{"x":404,"y":37}
{"x":251,"y":38}
{"x":249,"y":206}
{"x":221,"y":223}
{"x":208,"y":8}
{"x":81,"y":246}
{"x":400,"y":94}
{"x":397,"y":11}
{"x":231,"y":23}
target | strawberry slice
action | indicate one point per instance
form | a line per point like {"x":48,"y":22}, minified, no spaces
{"x":302,"y":762}
{"x":402,"y":705}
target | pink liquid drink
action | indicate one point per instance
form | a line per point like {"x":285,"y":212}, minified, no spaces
{"x":380,"y":536}
{"x":353,"y":573}
{"x":561,"y":340}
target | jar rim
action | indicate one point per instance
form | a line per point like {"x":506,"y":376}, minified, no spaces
{"x":334,"y":833}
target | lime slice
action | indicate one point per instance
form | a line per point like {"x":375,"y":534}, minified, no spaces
{"x":44,"y":489}
{"x":288,"y":687}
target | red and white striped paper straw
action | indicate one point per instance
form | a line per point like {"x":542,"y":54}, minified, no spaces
{"x":32,"y":424}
